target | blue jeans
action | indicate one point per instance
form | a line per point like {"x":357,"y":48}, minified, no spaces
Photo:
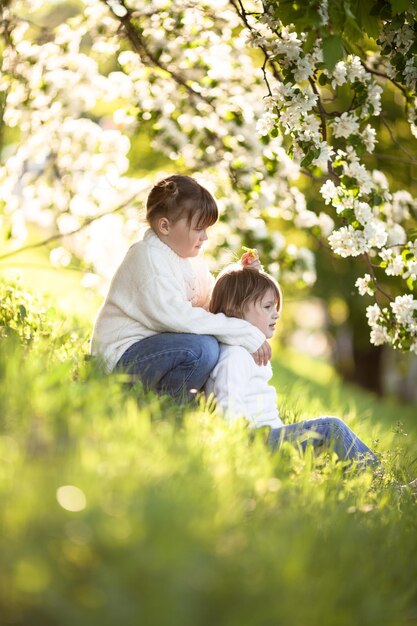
{"x":326,"y":432}
{"x":174,"y":363}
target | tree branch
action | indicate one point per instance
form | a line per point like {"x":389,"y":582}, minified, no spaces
{"x":57,"y":236}
{"x":383,"y":75}
{"x":240,"y":10}
{"x":142,"y":49}
{"x":374,"y":279}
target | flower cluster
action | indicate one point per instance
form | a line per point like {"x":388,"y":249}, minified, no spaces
{"x":186,"y":87}
{"x":76,"y":96}
{"x":397,"y":40}
{"x":371,"y":220}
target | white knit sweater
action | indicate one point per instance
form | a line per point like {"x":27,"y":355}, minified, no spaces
{"x":156,"y":291}
{"x":242,"y":389}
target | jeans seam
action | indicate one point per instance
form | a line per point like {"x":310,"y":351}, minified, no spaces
{"x":161,"y":353}
{"x":188,"y":377}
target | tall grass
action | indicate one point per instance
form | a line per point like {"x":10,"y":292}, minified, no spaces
{"x":118,"y":507}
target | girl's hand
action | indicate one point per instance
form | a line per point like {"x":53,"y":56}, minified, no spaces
{"x":263,"y":354}
{"x":250,"y":258}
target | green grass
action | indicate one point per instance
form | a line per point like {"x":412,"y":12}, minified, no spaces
{"x":183,"y":520}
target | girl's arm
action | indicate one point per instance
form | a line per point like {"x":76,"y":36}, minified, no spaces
{"x":162,"y":306}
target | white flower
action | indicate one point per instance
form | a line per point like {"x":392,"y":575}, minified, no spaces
{"x":363,"y":285}
{"x":404,"y":37}
{"x":373,"y":313}
{"x":339,"y":74}
{"x":395,"y":266}
{"x":326,"y":152}
{"x":374,"y":98}
{"x":411,"y":270}
{"x":369,"y":137}
{"x":386,"y":254}
{"x":60,"y":257}
{"x":396,"y":235}
{"x":306,"y":219}
{"x":355,"y":170}
{"x":266,"y":123}
{"x":402,"y":201}
{"x":375,"y":233}
{"x":410,"y":73}
{"x":323,"y":11}
{"x":326,"y":224}
{"x":345,"y":125}
{"x":379,"y":335}
{"x":328,"y":191}
{"x":347,"y":241}
{"x":380,"y":179}
{"x":288,"y":45}
{"x":363,"y":212}
{"x":404,"y":308}
{"x":346,"y":200}
{"x":303,"y":71}
{"x":355,"y":69}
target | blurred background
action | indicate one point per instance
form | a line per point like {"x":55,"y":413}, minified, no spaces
{"x":87,"y":126}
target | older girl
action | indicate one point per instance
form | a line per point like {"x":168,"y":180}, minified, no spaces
{"x":155,"y":323}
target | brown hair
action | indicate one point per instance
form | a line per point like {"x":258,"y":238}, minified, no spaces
{"x":237,"y":286}
{"x":180,"y":196}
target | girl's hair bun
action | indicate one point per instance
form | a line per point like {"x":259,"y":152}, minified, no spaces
{"x":181,"y":196}
{"x":170,"y":187}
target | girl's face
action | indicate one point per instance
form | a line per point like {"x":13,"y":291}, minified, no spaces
{"x":184,"y":239}
{"x":263,"y":313}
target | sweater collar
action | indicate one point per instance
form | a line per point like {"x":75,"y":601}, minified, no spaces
{"x":154,"y":240}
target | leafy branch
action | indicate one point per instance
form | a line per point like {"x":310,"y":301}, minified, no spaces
{"x":57,"y":236}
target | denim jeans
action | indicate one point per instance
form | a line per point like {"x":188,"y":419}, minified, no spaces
{"x":326,"y":432}
{"x":172,"y":363}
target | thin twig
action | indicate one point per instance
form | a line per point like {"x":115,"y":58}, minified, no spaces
{"x":395,"y":141}
{"x":242,"y":13}
{"x":374,"y":279}
{"x":322,"y":114}
{"x":383,"y":75}
{"x":141,"y":48}
{"x":48,"y":240}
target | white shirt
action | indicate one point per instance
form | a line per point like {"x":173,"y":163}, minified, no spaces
{"x":156,"y":291}
{"x":242,"y":388}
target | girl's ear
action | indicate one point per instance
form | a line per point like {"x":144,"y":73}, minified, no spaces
{"x":163,"y":226}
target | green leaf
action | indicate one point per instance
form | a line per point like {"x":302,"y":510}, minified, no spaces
{"x":307,"y":160}
{"x":337,"y":15}
{"x":323,"y":80}
{"x":332,"y":50}
{"x":370,"y":21}
{"x":310,"y":41}
{"x":399,"y":6}
{"x":397,"y":22}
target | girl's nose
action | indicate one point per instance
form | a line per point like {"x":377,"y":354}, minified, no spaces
{"x":204,"y":235}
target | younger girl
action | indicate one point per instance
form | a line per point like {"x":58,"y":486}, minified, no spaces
{"x":242,"y":389}
{"x":154,"y":323}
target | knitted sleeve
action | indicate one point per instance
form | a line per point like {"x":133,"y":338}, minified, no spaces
{"x":166,"y":310}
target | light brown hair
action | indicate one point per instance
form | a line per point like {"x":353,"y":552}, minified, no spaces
{"x":181,"y":196}
{"x":237,"y":286}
